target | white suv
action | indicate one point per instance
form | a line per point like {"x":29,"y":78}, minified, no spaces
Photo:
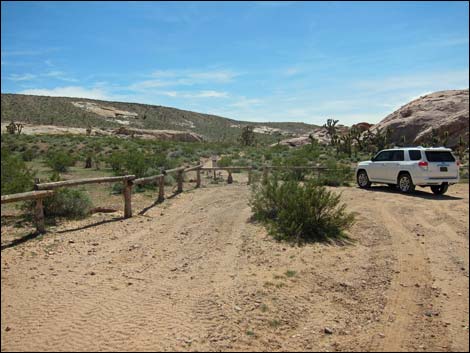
{"x":408,"y":167}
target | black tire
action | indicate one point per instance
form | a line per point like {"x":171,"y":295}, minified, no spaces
{"x":440,"y":189}
{"x":363,"y":180}
{"x":405,"y":183}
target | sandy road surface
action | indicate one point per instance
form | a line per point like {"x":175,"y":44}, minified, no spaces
{"x":194,"y":273}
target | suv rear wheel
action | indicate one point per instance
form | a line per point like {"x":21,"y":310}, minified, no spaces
{"x":363,"y":179}
{"x":440,"y":189}
{"x":405,"y":184}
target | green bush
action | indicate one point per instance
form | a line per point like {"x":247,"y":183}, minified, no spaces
{"x":16,"y":177}
{"x":60,"y":161}
{"x":69,"y":203}
{"x":300,"y":212}
{"x":225,"y":162}
{"x":138,"y":163}
{"x":336,"y":174}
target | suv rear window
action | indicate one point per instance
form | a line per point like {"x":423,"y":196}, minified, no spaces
{"x":415,"y":155}
{"x":439,"y":156}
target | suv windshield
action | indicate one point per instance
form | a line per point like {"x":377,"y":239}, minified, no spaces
{"x":439,"y":156}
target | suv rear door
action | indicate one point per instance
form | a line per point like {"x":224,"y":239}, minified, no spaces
{"x":441,"y":164}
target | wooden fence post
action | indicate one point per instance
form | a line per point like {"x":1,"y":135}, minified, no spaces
{"x":180,"y":181}
{"x":249,"y":176}
{"x":198,"y":178}
{"x":39,"y":216}
{"x":229,"y":179}
{"x":127,"y":198}
{"x":161,"y":189}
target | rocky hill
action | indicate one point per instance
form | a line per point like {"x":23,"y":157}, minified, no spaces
{"x":442,"y":111}
{"x":83,"y":113}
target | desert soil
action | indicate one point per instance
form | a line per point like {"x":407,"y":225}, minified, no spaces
{"x":194,"y":273}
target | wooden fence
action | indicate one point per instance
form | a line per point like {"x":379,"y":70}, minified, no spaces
{"x":43,"y":190}
{"x":38,"y":210}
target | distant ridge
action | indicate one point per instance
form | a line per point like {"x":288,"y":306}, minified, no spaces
{"x":82,"y":112}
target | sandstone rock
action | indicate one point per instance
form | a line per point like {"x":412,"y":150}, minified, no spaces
{"x":443,"y":111}
{"x":166,"y":135}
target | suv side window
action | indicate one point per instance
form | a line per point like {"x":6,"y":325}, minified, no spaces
{"x":383,"y":156}
{"x":415,"y":155}
{"x":398,"y":156}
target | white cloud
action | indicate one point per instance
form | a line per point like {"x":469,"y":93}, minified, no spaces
{"x":197,"y":94}
{"x":428,"y":81}
{"x":168,"y":78}
{"x":291,"y":71}
{"x":69,"y":91}
{"x":22,"y":77}
{"x":59,"y":75}
{"x":210,"y":94}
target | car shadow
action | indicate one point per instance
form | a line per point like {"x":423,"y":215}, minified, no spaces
{"x":417,"y":193}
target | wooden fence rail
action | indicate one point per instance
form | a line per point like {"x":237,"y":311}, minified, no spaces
{"x":38,"y":210}
{"x":125,"y":179}
{"x":230,"y":170}
{"x":59,"y":184}
{"x":43,"y":190}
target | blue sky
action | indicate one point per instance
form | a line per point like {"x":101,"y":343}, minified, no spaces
{"x":257,"y":61}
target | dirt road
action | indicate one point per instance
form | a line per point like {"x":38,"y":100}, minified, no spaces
{"x":194,"y":273}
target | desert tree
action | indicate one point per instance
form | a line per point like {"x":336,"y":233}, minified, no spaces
{"x":247,"y":137}
{"x":331,"y":130}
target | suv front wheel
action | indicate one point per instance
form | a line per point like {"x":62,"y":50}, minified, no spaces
{"x":405,"y":184}
{"x":363,"y":179}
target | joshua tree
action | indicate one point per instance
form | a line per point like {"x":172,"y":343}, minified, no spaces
{"x":13,"y":128}
{"x":403,"y":140}
{"x":247,"y":137}
{"x":330,"y":127}
{"x":356,"y":134}
{"x":461,"y":148}
{"x":444,"y":139}
{"x":346,"y":143}
{"x":88,"y":162}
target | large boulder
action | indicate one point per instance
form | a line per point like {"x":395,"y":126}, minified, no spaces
{"x":442,"y":111}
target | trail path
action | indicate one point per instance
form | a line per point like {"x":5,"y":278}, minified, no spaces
{"x":193,"y":273}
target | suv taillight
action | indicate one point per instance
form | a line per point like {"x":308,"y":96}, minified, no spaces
{"x":423,"y":164}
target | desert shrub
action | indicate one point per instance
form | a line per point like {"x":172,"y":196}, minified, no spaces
{"x":16,"y":176}
{"x":336,"y":175}
{"x":225,"y":161}
{"x":139,"y":163}
{"x":29,"y":154}
{"x":60,"y":161}
{"x":69,"y":203}
{"x":300,"y":212}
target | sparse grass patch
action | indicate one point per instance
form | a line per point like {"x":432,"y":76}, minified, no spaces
{"x":250,"y":333}
{"x":263,"y":308}
{"x":274,"y":323}
{"x":290,"y":273}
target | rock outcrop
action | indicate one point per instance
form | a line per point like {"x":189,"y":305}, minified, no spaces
{"x":442,"y":111}
{"x":164,"y":135}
